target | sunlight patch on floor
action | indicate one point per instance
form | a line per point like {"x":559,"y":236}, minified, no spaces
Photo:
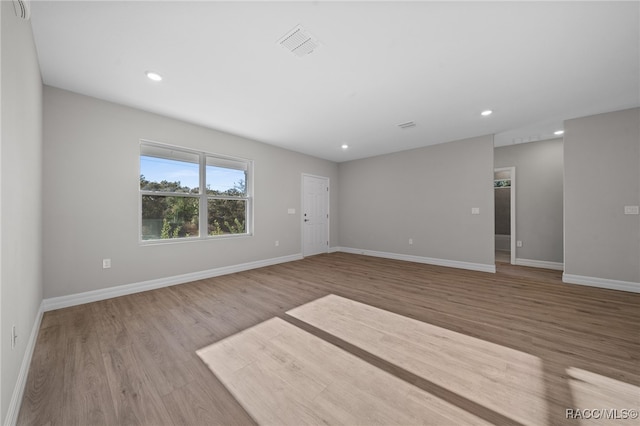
{"x":602,"y":396}
{"x":502,"y":379}
{"x":283,"y":375}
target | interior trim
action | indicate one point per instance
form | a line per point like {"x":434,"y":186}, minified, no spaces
{"x":21,"y":382}
{"x":53,"y":303}
{"x":421,"y":259}
{"x":602,"y":283}
{"x":559,"y":266}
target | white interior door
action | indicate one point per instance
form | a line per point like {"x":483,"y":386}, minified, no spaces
{"x":315,"y":215}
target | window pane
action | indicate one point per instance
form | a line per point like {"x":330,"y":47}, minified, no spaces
{"x":168,"y":170}
{"x":169,"y":217}
{"x":502,"y":183}
{"x":225,"y":181}
{"x":227,"y":217}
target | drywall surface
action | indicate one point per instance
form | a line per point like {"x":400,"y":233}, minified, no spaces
{"x":425,"y":195}
{"x":601,"y":176}
{"x":91,"y":197}
{"x":20,"y":195}
{"x":502,"y":210}
{"x":539,"y":172}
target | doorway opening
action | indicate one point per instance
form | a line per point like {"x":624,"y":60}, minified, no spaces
{"x":504,"y":186}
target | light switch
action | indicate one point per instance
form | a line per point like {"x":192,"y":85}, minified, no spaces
{"x":475,"y":210}
{"x":630,"y":209}
{"x":291,"y":211}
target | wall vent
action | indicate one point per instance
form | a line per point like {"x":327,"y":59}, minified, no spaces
{"x":299,"y":42}
{"x":22,"y":8}
{"x":407,"y":125}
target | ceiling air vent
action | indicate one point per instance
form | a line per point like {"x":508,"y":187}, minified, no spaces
{"x":22,"y":8}
{"x":299,"y":42}
{"x":407,"y":125}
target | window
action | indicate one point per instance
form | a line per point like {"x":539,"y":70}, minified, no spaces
{"x":172,"y":203}
{"x":502,"y":183}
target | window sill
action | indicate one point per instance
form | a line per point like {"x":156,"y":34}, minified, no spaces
{"x":192,"y":239}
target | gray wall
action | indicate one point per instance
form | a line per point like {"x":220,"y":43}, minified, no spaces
{"x":425,"y":194}
{"x":502,"y":211}
{"x":91,"y":196}
{"x":20,"y":194}
{"x":539,"y":195}
{"x":602,"y":175}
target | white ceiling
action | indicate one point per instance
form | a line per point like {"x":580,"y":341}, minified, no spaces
{"x":379,"y":64}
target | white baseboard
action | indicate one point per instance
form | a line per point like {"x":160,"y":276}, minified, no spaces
{"x":540,"y":264}
{"x":122,"y":290}
{"x":629,"y":286}
{"x":420,"y":259}
{"x":21,"y":383}
{"x":334,"y":249}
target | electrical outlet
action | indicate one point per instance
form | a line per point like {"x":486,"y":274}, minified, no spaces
{"x":410,"y":241}
{"x":106,"y":263}
{"x":519,"y":243}
{"x":14,"y":336}
{"x":475,"y":210}
{"x":277,"y":243}
{"x":631,"y":210}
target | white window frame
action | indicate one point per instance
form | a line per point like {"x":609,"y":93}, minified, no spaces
{"x":203,"y":197}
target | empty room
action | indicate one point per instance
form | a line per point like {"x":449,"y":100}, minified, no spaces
{"x":319,"y":212}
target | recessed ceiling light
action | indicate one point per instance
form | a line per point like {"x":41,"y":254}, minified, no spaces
{"x":344,"y":146}
{"x":486,"y":112}
{"x":558,"y":132}
{"x":154,"y":76}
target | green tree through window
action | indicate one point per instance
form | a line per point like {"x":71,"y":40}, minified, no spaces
{"x":172,"y":204}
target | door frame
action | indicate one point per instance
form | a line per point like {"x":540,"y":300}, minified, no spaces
{"x":512,"y":174}
{"x":303,"y":175}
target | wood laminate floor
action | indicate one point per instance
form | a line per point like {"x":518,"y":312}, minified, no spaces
{"x":503,"y":256}
{"x":516,"y":347}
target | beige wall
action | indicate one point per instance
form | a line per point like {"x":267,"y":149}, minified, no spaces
{"x":425,"y":194}
{"x":91,"y":197}
{"x":539,"y":171}
{"x":602,"y":175}
{"x":20,"y":195}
